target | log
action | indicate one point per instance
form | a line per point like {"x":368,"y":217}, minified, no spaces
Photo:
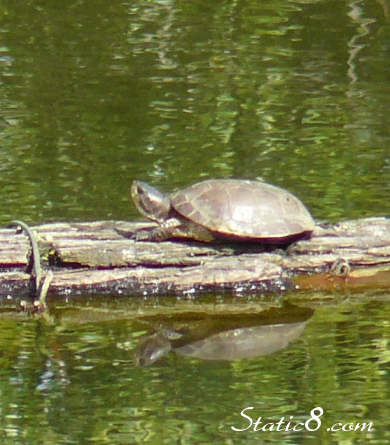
{"x":97,"y":257}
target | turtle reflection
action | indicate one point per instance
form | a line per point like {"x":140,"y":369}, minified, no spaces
{"x":238,"y":336}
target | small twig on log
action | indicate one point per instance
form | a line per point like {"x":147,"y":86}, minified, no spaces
{"x":36,"y":258}
{"x":41,"y":287}
{"x":40,"y":304}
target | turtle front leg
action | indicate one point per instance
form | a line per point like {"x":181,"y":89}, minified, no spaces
{"x":175,"y":228}
{"x":159,"y":233}
{"x":162,"y":232}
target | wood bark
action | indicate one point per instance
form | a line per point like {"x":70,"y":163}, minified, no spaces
{"x":96,"y":257}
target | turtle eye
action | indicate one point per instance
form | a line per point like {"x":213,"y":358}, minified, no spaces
{"x":140,"y":191}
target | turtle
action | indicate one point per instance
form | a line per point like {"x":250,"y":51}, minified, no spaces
{"x":223,"y":209}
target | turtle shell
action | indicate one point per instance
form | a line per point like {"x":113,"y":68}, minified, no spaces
{"x":244,"y":209}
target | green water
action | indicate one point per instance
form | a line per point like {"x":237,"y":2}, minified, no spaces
{"x":75,"y":381}
{"x":94,"y":94}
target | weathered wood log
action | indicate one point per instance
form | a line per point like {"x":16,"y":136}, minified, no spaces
{"x":95,"y":257}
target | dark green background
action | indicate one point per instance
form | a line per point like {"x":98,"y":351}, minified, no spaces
{"x":94,"y":94}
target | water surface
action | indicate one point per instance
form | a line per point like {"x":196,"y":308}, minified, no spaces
{"x":76,"y":380}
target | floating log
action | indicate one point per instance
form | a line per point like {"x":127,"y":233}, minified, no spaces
{"x":97,"y":257}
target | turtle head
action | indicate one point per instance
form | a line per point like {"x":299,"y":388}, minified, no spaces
{"x":149,"y":201}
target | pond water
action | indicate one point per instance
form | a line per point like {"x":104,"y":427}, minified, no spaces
{"x":75,"y":379}
{"x":95,"y":94}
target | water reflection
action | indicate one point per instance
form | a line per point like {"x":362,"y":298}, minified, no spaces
{"x":226,"y":338}
{"x":79,"y":365}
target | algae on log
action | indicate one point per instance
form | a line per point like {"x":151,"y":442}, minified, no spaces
{"x":95,"y":257}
